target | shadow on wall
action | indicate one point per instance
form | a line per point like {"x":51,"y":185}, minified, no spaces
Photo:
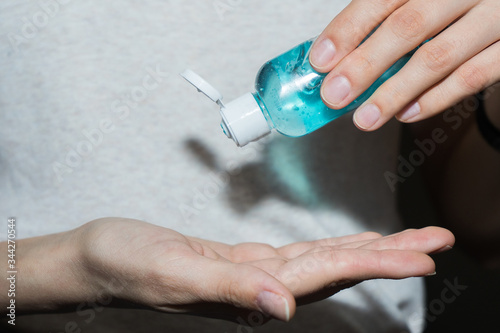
{"x":337,"y":167}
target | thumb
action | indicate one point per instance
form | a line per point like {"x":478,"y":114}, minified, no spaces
{"x":244,"y":287}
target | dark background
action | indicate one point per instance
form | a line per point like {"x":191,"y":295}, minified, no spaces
{"x":477,"y":309}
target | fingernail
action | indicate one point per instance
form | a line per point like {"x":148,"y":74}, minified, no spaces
{"x":410,"y":112}
{"x":443,"y":249}
{"x":274,"y":305}
{"x":336,"y":90}
{"x":367,"y":116}
{"x":322,"y":53}
{"x":431,"y":274}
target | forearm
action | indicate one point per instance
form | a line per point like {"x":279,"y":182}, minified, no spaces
{"x":50,"y":274}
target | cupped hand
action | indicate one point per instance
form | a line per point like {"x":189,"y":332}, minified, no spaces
{"x":161,"y":269}
{"x":462,"y":59}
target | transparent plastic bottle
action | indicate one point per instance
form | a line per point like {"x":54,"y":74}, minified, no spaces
{"x":286,"y":98}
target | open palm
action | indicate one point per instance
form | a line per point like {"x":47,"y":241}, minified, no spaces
{"x":167,"y":271}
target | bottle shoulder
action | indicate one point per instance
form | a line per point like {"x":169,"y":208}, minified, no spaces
{"x":288,"y":61}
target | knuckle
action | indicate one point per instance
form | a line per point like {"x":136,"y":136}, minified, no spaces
{"x":347,"y":26}
{"x":393,"y":96}
{"x":361,"y":63}
{"x":407,"y":24}
{"x":350,"y":26}
{"x":397,"y":242}
{"x":326,"y":256}
{"x":332,"y":256}
{"x":326,"y":248}
{"x":437,"y":57}
{"x":472,"y":78}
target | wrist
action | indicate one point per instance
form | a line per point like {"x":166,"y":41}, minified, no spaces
{"x":51,"y":274}
{"x":101,"y":277}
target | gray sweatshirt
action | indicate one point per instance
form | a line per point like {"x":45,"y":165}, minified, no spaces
{"x":95,"y":121}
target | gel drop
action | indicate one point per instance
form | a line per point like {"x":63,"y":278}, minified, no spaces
{"x":286,"y":98}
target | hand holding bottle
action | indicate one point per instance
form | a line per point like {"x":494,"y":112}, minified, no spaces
{"x":462,"y":59}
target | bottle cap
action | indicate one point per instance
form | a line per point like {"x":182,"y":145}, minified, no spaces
{"x":242,"y":119}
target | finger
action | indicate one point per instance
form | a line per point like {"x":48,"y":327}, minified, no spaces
{"x":430,"y":64}
{"x":314,"y":272}
{"x":426,"y":240}
{"x":402,"y":32}
{"x":251,"y":252}
{"x":347,"y":30}
{"x":470,"y":78}
{"x":359,"y":243}
{"x":296,"y":249}
{"x":243,"y":287}
{"x":346,"y":242}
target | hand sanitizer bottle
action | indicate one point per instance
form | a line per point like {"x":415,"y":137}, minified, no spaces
{"x":286,"y":98}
